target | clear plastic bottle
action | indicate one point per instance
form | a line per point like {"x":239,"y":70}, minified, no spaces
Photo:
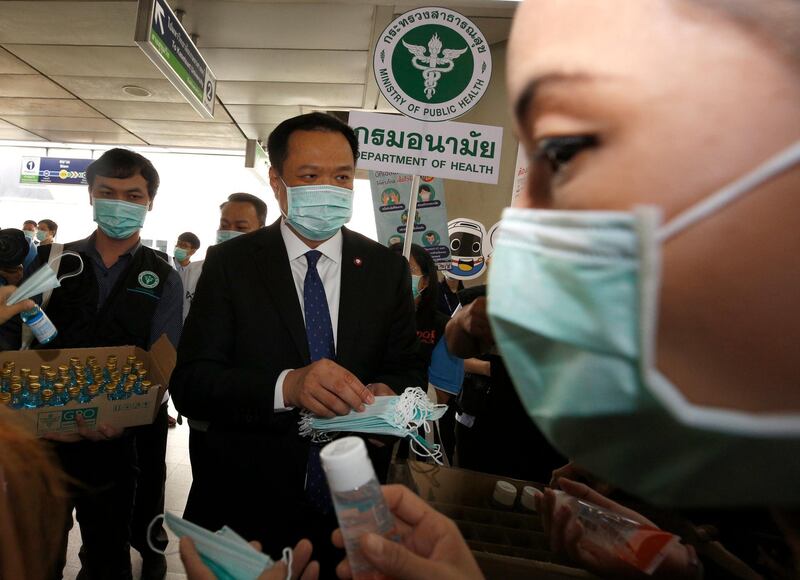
{"x":42,"y":328}
{"x":358,"y":500}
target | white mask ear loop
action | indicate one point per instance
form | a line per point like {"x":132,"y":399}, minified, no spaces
{"x":150,"y":541}
{"x":58,"y":261}
{"x":773,"y":166}
{"x":288,"y":557}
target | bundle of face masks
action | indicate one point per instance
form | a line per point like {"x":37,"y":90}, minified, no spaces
{"x":226,"y":553}
{"x":398,"y":416}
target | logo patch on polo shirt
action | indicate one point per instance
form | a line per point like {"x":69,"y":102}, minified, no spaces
{"x":148,"y":279}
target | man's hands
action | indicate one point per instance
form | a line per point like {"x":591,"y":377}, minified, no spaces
{"x":301,"y":569}
{"x":6,"y":311}
{"x":431,"y":546}
{"x":326,"y":389}
{"x":468,"y":333}
{"x":102,"y":433}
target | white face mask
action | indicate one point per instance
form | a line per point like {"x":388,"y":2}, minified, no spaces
{"x":44,"y":279}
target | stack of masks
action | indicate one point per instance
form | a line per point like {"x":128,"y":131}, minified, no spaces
{"x":398,"y":416}
{"x":226,"y":553}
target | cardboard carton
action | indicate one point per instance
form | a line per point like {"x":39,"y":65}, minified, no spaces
{"x":507,"y":544}
{"x":137,"y":410}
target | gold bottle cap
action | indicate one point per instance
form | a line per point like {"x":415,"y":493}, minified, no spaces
{"x":33,"y":378}
{"x":146,"y":385}
{"x":74,"y":392}
{"x":128,"y":387}
{"x":34,"y":387}
{"x":47,"y":394}
{"x":6,"y":372}
{"x":43,"y":369}
{"x":59,"y":387}
{"x":110,"y":388}
{"x":91,"y":359}
{"x":51,"y":374}
{"x":93,"y":389}
{"x":5,"y":398}
{"x":16,"y":387}
{"x":16,"y":379}
{"x":24,"y":372}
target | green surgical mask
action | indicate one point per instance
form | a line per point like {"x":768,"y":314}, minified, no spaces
{"x":415,"y":285}
{"x":573,"y":302}
{"x":40,"y":235}
{"x":225,"y":235}
{"x":317,"y":212}
{"x":119,"y":219}
{"x":398,"y":416}
{"x":180,"y":254}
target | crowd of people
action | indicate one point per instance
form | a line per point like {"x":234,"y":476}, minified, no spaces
{"x":634,"y":348}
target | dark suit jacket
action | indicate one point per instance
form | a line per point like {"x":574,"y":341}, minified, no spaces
{"x":245,"y":327}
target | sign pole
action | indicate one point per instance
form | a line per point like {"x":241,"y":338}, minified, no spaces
{"x":412,"y":212}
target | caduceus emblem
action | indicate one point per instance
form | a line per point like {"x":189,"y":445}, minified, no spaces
{"x":433,"y":65}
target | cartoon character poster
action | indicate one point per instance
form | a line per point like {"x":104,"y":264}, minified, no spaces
{"x":468,"y":244}
{"x":390,"y":196}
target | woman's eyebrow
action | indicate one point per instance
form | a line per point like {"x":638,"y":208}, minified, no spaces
{"x":533,"y":88}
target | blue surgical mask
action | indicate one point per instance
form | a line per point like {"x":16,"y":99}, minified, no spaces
{"x":180,"y":254}
{"x":44,"y":279}
{"x":30,"y":235}
{"x":317,"y":212}
{"x":227,"y":554}
{"x":225,"y":235}
{"x":415,"y":285}
{"x":118,"y":219}
{"x":397,"y":416}
{"x":573,"y":303}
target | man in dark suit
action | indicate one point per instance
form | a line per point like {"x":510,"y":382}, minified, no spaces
{"x":301,"y":315}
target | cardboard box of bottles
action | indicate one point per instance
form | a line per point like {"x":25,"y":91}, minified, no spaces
{"x":137,"y":410}
{"x":508,"y":544}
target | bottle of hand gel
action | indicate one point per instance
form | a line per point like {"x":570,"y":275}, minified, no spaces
{"x":357,"y":498}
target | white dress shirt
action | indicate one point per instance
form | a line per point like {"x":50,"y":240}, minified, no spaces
{"x":329,"y":268}
{"x":190,"y":275}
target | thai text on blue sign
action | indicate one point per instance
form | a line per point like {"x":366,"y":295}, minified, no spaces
{"x":54,"y":170}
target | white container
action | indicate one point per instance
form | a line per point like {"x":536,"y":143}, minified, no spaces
{"x":357,"y":498}
{"x":504,"y":496}
{"x":528,"y":498}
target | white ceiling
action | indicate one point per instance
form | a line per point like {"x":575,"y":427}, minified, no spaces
{"x":63,"y":66}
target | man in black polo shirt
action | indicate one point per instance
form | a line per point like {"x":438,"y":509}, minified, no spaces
{"x":128,"y":294}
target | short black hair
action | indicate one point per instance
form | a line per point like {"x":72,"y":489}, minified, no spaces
{"x":258,"y":203}
{"x":278,"y":142}
{"x":190,"y":239}
{"x":26,"y":222}
{"x":51,"y":225}
{"x":121,"y":164}
{"x":426,"y":187}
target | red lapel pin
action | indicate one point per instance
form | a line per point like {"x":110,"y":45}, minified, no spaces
{"x":358,"y":262}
